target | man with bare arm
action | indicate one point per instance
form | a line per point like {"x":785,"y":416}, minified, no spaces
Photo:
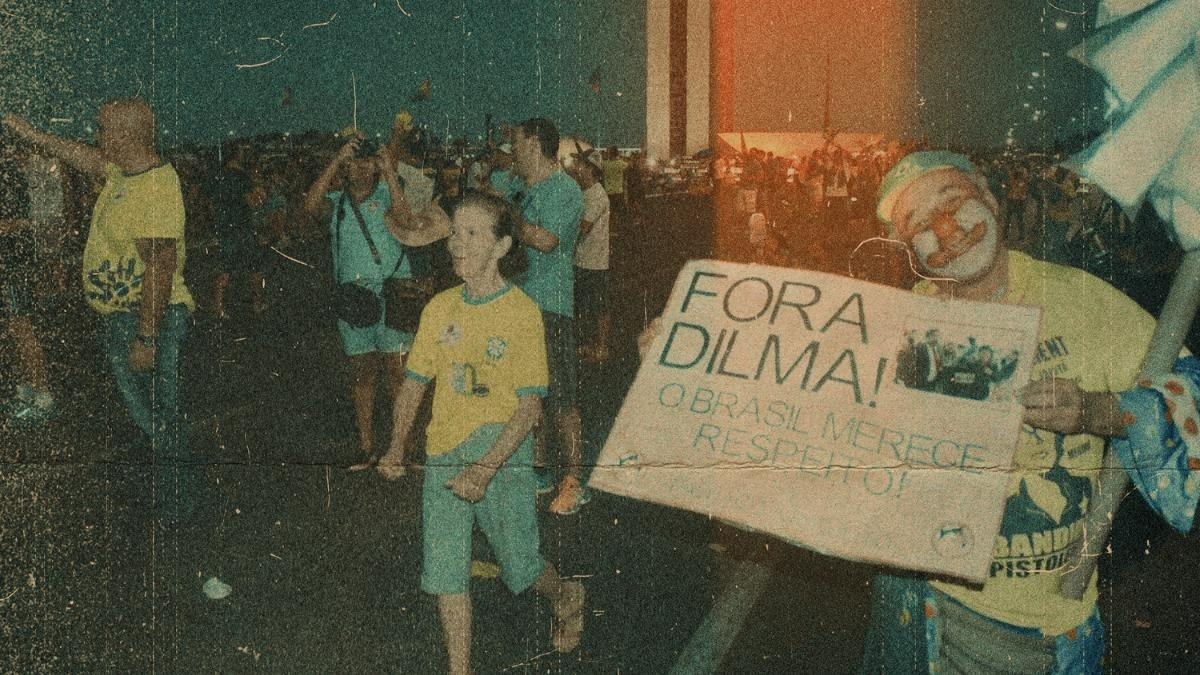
{"x":939,"y":204}
{"x":133,"y":275}
{"x":550,"y":207}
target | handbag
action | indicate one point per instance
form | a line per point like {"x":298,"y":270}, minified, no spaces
{"x":405,"y":299}
{"x":354,"y":303}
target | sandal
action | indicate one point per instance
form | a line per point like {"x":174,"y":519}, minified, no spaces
{"x":568,"y":626}
{"x":370,"y":461}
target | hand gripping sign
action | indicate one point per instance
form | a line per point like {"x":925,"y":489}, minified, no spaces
{"x":854,"y":419}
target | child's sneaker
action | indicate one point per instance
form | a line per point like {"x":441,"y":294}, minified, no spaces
{"x":545,"y":483}
{"x":571,"y":496}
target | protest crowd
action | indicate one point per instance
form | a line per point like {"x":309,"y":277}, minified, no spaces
{"x":486,"y":271}
{"x":796,"y":210}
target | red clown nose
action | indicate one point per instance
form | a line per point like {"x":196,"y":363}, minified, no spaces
{"x":952,"y":240}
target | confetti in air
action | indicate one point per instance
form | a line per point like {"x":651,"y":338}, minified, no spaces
{"x":283,"y":47}
{"x":278,"y":42}
{"x":423,"y":90}
{"x":322,"y":23}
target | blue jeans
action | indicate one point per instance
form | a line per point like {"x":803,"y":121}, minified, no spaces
{"x":152,"y":397}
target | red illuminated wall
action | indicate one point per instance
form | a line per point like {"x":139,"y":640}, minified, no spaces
{"x":769,"y":65}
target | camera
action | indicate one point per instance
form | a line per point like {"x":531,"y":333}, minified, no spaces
{"x":366,"y":149}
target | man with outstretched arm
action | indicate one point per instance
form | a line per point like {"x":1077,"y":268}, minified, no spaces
{"x":133,"y":273}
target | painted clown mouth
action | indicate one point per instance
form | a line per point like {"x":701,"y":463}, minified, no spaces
{"x":954,"y":243}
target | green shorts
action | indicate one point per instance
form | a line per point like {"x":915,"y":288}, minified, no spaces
{"x":507,"y":514}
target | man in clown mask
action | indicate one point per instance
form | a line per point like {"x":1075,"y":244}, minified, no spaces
{"x":1091,"y":343}
{"x":948,"y":217}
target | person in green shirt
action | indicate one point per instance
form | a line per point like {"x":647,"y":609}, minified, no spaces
{"x":551,"y":207}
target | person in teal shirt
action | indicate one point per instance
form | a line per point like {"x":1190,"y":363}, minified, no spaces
{"x":551,"y":208}
{"x":369,"y":190}
{"x":502,"y":179}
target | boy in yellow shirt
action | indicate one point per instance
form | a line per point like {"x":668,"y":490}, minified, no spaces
{"x":484,"y":344}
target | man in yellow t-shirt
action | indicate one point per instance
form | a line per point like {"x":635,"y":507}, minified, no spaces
{"x":1091,"y":343}
{"x":1057,"y":473}
{"x":132,"y":207}
{"x":133,"y":269}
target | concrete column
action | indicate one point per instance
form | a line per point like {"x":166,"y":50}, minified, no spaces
{"x":658,"y":78}
{"x":699,"y":71}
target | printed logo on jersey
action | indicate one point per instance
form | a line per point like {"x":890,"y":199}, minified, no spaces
{"x":496,"y":346}
{"x":1041,"y":521}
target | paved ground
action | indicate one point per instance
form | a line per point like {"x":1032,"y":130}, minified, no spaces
{"x":323,"y":564}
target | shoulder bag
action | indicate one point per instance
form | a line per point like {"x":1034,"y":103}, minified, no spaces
{"x":404,"y":298}
{"x":354,"y":303}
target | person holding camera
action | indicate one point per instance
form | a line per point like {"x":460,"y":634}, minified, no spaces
{"x":358,"y":195}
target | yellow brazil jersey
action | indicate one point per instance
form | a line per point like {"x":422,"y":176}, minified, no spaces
{"x":1094,"y":334}
{"x":614,"y":175}
{"x":146,"y":205}
{"x":484,"y":354}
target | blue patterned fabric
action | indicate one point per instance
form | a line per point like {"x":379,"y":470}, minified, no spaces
{"x":1161,"y":451}
{"x":905,"y":634}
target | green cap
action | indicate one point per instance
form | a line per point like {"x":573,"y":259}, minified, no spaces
{"x":913,"y":166}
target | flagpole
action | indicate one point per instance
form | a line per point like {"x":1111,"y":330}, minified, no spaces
{"x":1166,"y":185}
{"x":1176,"y":318}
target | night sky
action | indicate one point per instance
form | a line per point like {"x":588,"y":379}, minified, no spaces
{"x":986,"y":68}
{"x":973,"y":77}
{"x":511,"y":59}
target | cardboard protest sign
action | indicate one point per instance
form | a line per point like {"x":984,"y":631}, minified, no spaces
{"x":859,"y":420}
